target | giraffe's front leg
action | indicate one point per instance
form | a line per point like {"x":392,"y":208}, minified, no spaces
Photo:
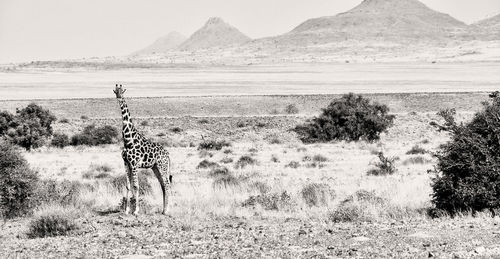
{"x":127,"y":186}
{"x":135,"y":190}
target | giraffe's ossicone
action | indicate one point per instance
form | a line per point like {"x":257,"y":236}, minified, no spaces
{"x":140,"y":152}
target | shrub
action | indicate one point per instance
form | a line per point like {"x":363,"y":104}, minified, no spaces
{"x":213,"y":145}
{"x":84,"y":117}
{"x":245,"y":160}
{"x":467,"y":174}
{"x":6,"y":119}
{"x":315,"y":194}
{"x":275,"y":159}
{"x":416,"y":150}
{"x":18,"y":183}
{"x":94,"y":136}
{"x":291,"y":109}
{"x":61,"y":192}
{"x":293,"y":164}
{"x":262,"y":187}
{"x":349,"y":118}
{"x":225,"y":181}
{"x":386,"y":166}
{"x":144,"y":123}
{"x":30,"y":126}
{"x":270,"y":201}
{"x":176,"y":130}
{"x":226,"y":160}
{"x":319,"y":158}
{"x":60,"y":140}
{"x":203,"y":121}
{"x":219,"y":171}
{"x":361,"y":206}
{"x":241,"y":124}
{"x":64,"y":120}
{"x":53,"y":222}
{"x":207,"y":164}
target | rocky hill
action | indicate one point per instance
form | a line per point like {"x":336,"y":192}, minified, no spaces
{"x":383,"y":20}
{"x":215,"y":33}
{"x":488,"y":29}
{"x":163,"y":44}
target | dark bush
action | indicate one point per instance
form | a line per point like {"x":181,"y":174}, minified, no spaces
{"x":94,"y":136}
{"x":18,"y":183}
{"x":6,"y":119}
{"x":213,"y":145}
{"x":29,"y":127}
{"x":386,"y":166}
{"x":50,"y":224}
{"x":59,"y":140}
{"x":349,"y":118}
{"x":467,"y":175}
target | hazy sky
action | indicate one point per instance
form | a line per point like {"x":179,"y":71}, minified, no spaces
{"x":56,"y":29}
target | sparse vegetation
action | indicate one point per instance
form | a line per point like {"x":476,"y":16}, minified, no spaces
{"x":213,"y":145}
{"x":386,"y":165}
{"x":349,"y":118}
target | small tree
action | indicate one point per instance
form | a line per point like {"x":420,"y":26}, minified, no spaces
{"x":467,"y":176}
{"x":94,"y":136}
{"x":350,"y":118}
{"x":30,"y":126}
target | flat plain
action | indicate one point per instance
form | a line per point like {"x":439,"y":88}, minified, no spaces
{"x":264,"y":210}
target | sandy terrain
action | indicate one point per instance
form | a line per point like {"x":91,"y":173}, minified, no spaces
{"x":207,"y":220}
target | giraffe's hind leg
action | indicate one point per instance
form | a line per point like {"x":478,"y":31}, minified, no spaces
{"x":162,"y":172}
{"x":134,"y":179}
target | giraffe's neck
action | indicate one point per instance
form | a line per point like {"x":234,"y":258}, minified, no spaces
{"x":128,"y":131}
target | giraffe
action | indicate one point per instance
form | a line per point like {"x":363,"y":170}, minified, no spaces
{"x":139,"y":152}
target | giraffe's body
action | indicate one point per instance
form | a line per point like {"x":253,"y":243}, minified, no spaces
{"x":140,"y":152}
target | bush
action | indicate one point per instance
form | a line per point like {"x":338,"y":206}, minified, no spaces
{"x":54,"y":222}
{"x":60,"y":140}
{"x":207,"y":164}
{"x":416,"y":150}
{"x":29,"y":127}
{"x":144,"y":123}
{"x":386,"y":166}
{"x":18,"y":183}
{"x":226,"y":160}
{"x":92,"y":136}
{"x":361,"y":206}
{"x":467,"y":174}
{"x":291,"y":109}
{"x":176,"y":130}
{"x":315,"y":194}
{"x":270,"y":201}
{"x":349,"y":118}
{"x":64,"y":120}
{"x":213,"y":145}
{"x":244,"y":161}
{"x":293,"y":164}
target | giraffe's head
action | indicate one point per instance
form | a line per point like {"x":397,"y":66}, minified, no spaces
{"x":119,"y":91}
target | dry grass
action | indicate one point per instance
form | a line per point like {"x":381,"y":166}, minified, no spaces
{"x":197,"y":194}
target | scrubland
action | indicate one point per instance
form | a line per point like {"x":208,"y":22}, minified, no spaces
{"x":262,"y":193}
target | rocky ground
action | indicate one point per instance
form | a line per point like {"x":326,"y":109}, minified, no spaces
{"x":117,"y":235}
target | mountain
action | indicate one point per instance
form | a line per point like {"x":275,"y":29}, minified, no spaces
{"x":215,"y":33}
{"x":164,"y":44}
{"x":492,"y":23}
{"x":386,"y":20}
